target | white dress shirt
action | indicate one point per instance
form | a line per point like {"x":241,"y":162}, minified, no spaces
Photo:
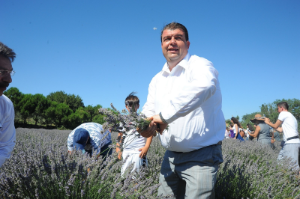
{"x":7,"y":128}
{"x":189,"y":99}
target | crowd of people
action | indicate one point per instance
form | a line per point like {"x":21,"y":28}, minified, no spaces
{"x":257,"y":130}
{"x":285,"y":131}
{"x":184,"y":105}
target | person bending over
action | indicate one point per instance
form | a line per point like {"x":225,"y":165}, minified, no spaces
{"x":88,"y":137}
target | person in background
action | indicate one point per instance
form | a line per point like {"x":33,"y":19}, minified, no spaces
{"x":236,"y":126}
{"x":250,"y":130}
{"x":246,"y":134}
{"x":135,"y":146}
{"x":232,"y":135}
{"x":290,"y":148}
{"x":227,"y":133}
{"x":242,"y":132}
{"x":7,"y":113}
{"x":88,"y":137}
{"x":262,"y":130}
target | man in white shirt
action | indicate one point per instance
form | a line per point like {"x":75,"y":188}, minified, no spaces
{"x":7,"y":114}
{"x":185,"y":102}
{"x":290,"y":148}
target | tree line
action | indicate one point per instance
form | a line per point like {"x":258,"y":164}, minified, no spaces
{"x":57,"y":110}
{"x":61,"y":110}
{"x":270,"y":111}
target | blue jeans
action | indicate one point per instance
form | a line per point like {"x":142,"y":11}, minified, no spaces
{"x":190,"y":175}
{"x":290,"y":150}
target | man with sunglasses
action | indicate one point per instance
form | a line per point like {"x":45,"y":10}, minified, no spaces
{"x":7,"y":113}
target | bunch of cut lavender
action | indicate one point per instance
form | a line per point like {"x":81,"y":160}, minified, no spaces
{"x":115,"y":120}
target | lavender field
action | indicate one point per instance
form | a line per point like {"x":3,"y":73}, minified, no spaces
{"x":41,"y":168}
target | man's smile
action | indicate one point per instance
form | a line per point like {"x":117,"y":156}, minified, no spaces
{"x":173,"y":50}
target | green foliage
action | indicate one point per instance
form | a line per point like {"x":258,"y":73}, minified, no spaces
{"x":246,"y":119}
{"x":74,"y":119}
{"x":228,"y":122}
{"x":92,"y":111}
{"x":41,"y":104}
{"x":27,"y":107}
{"x":98,"y":119}
{"x":58,"y":113}
{"x":58,"y":108}
{"x":73,"y":101}
{"x":15,"y":96}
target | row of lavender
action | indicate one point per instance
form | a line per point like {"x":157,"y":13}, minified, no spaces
{"x":41,"y":168}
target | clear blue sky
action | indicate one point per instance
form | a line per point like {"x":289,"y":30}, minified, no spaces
{"x":103,"y":50}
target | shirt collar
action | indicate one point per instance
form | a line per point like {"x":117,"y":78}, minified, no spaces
{"x":183,"y":63}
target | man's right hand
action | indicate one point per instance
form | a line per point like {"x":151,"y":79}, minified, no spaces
{"x":150,"y":131}
{"x":267,"y":120}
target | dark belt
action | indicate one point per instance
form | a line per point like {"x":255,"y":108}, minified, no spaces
{"x":291,"y":138}
{"x":219,"y":143}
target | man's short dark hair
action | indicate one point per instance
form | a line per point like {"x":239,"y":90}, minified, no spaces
{"x":7,"y":52}
{"x":283,"y":105}
{"x":174,"y":26}
{"x":132,"y":100}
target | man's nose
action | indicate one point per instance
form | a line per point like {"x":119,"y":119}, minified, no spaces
{"x":173,"y":40}
{"x":7,"y":78}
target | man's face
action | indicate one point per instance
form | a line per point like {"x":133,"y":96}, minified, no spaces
{"x":5,"y":80}
{"x":279,"y":109}
{"x":174,"y":45}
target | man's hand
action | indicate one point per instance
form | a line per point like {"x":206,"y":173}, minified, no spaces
{"x":162,"y":126}
{"x":150,"y":131}
{"x":144,"y":151}
{"x":156,"y":119}
{"x":267,"y":120}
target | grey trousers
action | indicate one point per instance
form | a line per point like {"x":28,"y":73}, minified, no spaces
{"x":190,"y":175}
{"x":291,"y":151}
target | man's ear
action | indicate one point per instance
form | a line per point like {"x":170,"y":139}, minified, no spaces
{"x":188,"y":44}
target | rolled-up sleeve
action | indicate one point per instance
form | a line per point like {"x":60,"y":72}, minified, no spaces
{"x":194,"y":92}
